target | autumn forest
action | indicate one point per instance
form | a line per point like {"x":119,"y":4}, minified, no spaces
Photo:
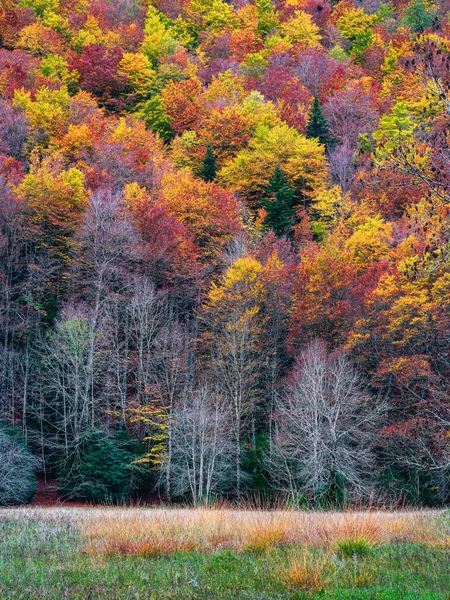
{"x":225,"y":251}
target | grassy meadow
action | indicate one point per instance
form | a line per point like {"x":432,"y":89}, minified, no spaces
{"x":138,"y":553}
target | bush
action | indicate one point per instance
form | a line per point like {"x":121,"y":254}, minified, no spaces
{"x":17,"y":469}
{"x":97,"y":470}
{"x":349,"y":548}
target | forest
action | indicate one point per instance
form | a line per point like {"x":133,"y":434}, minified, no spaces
{"x":225,"y":251}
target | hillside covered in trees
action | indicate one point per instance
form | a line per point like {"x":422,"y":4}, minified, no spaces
{"x":224,"y":249}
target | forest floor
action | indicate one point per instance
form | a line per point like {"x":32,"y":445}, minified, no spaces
{"x":156,"y":553}
{"x":47,"y":496}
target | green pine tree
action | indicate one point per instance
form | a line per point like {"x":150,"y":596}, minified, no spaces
{"x":97,"y":470}
{"x":419,"y":15}
{"x":317,"y":126}
{"x":279,"y":204}
{"x":209,"y":168}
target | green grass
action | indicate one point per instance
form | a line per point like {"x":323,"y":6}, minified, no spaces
{"x":44,"y":559}
{"x":356,"y":547}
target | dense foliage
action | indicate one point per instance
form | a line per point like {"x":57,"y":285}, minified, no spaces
{"x":202,"y":205}
{"x":98,"y":470}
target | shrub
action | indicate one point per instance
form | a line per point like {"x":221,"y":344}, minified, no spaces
{"x":354,"y":547}
{"x":17,"y":469}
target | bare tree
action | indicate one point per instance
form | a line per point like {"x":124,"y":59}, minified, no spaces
{"x":324,"y":426}
{"x":66,"y":362}
{"x":202,"y":455}
{"x":24,"y":278}
{"x":420,"y":446}
{"x":99,"y":274}
{"x":17,"y":471}
{"x":172,"y":381}
{"x":350,"y":112}
{"x":313,"y":68}
{"x":237,"y":367}
{"x":342,"y":167}
{"x":148,"y":313}
{"x":13,"y":131}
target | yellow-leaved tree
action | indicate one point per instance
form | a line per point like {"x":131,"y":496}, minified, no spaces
{"x":233,"y":322}
{"x":371,"y":241}
{"x":158,"y":41}
{"x":141,"y":76}
{"x":47,"y":109}
{"x":302,"y":160}
{"x":301,"y":29}
{"x":54,"y":199}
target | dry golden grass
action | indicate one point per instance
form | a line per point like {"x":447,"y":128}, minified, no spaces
{"x":307,"y":573}
{"x":153,"y":531}
{"x":163,"y":531}
{"x":264,"y":531}
{"x":149,"y":547}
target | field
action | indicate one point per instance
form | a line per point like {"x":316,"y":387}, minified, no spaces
{"x":90,"y":553}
